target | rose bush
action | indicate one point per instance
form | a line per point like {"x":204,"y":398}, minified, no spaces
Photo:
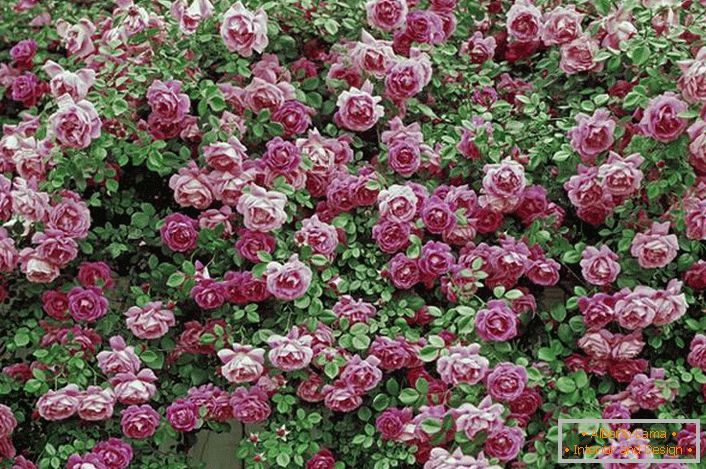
{"x":375,"y":234}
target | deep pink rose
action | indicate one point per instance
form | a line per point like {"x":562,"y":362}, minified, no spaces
{"x":692,"y":82}
{"x":23,"y":52}
{"x":27,"y":89}
{"x":288,"y":281}
{"x":362,"y":375}
{"x":250,"y":405}
{"x":95,"y":274}
{"x":293,"y":116}
{"x":323,"y":459}
{"x":578,"y":56}
{"x":592,"y":134}
{"x":139,"y":422}
{"x":55,"y":304}
{"x":506,"y":382}
{"x":182,"y":415}
{"x":524,"y":21}
{"x":87,"y":304}
{"x":167,"y":101}
{"x":496,"y":322}
{"x":60,"y":404}
{"x":403,"y":271}
{"x":178,"y":232}
{"x":504,"y":443}
{"x":96,"y":404}
{"x":251,"y":242}
{"x":391,"y":422}
{"x":425,"y":27}
{"x":114,"y":453}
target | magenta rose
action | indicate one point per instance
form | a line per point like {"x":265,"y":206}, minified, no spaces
{"x":23,"y":52}
{"x":506,"y":382}
{"x":504,"y":443}
{"x":95,"y":274}
{"x":323,"y":459}
{"x":114,"y":453}
{"x":293,"y":116}
{"x":251,"y":242}
{"x":87,"y":304}
{"x":182,"y":415}
{"x":167,"y":101}
{"x":250,"y":406}
{"x":496,"y":322}
{"x":391,"y":422}
{"x":55,"y":304}
{"x":178,"y":232}
{"x":438,"y":217}
{"x":362,"y":375}
{"x":697,"y":352}
{"x":403,"y":271}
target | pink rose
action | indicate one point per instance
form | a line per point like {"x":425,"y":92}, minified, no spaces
{"x":435,"y":259}
{"x":242,"y":363}
{"x":178,"y":232}
{"x":697,"y":146}
{"x":182,"y":415}
{"x":281,"y":155}
{"x":391,"y":423}
{"x":9,"y":257}
{"x":473,"y":420}
{"x":618,"y":27}
{"x":544,"y":272}
{"x":479,"y":49}
{"x":391,"y":236}
{"x":262,"y":210}
{"x":114,"y":453}
{"x":405,"y":79}
{"x":167,"y":101}
{"x":504,"y":443}
{"x":70,"y":216}
{"x":403,"y":158}
{"x":386,"y":15}
{"x":139,"y":422}
{"x":561,"y":25}
{"x":463,"y":364}
{"x":95,"y":274}
{"x":250,"y":405}
{"x":7,"y":421}
{"x":292,"y":352}
{"x":208,"y":294}
{"x":150,"y":321}
{"x":655,"y":248}
{"x":621,"y":176}
{"x":77,"y":38}
{"x":506,"y":382}
{"x":661,"y":119}
{"x":60,"y":404}
{"x":120,"y":359}
{"x":398,"y":203}
{"x":578,"y":56}
{"x":288,"y":281}
{"x":403,"y":271}
{"x":133,"y":388}
{"x":323,"y":459}
{"x":692,"y":83}
{"x":27,"y":89}
{"x":697,"y":352}
{"x":251,"y":242}
{"x":293,"y":116}
{"x":36,"y":268}
{"x":226,"y":156}
{"x":23,"y":52}
{"x":496,"y":322}
{"x":637,"y":309}
{"x":87,"y":461}
{"x":695,"y":276}
{"x":437,"y":216}
{"x":96,"y":404}
{"x":87,"y":304}
{"x":192,"y":187}
{"x":358,"y":109}
{"x":394,"y":354}
{"x":695,"y":219}
{"x":321,"y":237}
{"x":362,"y":375}
{"x":75,"y":124}
{"x":75,"y":84}
{"x":597,"y":310}
{"x":55,"y":304}
{"x":244,"y":31}
{"x":341,"y":397}
{"x":352,"y":310}
{"x":599,"y":266}
{"x":523,"y":21}
{"x":505,"y":182}
{"x":592,"y":134}
{"x":190,"y":18}
{"x":424,"y":27}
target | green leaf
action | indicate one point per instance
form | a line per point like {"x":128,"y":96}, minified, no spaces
{"x":565,"y":385}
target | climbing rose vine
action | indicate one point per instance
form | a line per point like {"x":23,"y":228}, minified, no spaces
{"x":364,"y":234}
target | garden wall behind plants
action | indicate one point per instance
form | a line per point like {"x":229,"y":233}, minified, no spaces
{"x":336,"y":222}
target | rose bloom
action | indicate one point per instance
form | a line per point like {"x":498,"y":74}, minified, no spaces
{"x":190,"y":18}
{"x":60,"y":404}
{"x":403,"y":271}
{"x":437,"y":216}
{"x":139,"y":422}
{"x":75,"y":84}
{"x":391,"y":236}
{"x":697,"y":352}
{"x":655,"y":248}
{"x":27,"y":89}
{"x":292,"y":352}
{"x":23,"y":52}
{"x":341,"y":397}
{"x":242,"y":363}
{"x":692,"y":83}
{"x":178,"y":232}
{"x":167,"y":102}
{"x":192,"y":187}
{"x":523,"y":21}
{"x":250,"y":405}
{"x":96,"y":274}
{"x":251,"y":242}
{"x":505,"y":180}
{"x":504,"y":443}
{"x":405,"y":79}
{"x":695,"y":219}
{"x":150,"y":321}
{"x":96,"y":404}
{"x":87,"y":461}
{"x":182,"y":415}
{"x":321,"y":237}
{"x":599,"y":266}
{"x":621,"y":176}
{"x":497,"y":322}
{"x":262,"y":210}
{"x":597,"y":310}
{"x":392,"y":421}
{"x":352,"y":310}
{"x":362,"y":375}
{"x":398,"y":203}
{"x":87,"y":304}
{"x":577,"y":56}
{"x":244,"y":31}
{"x":323,"y":459}
{"x":479,"y":49}
{"x":288,"y":281}
{"x":133,"y":388}
{"x":661,"y":119}
{"x":293,"y":116}
{"x":592,"y":134}
{"x":527,"y":403}
{"x":463,"y":364}
{"x":561,"y":25}
{"x":425,"y":27}
{"x":695,"y":276}
{"x":77,"y":38}
{"x":75,"y":124}
{"x":70,"y":216}
{"x":403,"y":158}
{"x":114,"y":453}
{"x":120,"y":359}
{"x":358,"y":109}
{"x":7,"y":421}
{"x":226,"y":156}
{"x":55,"y":304}
{"x":697,"y":146}
{"x":506,"y":382}
{"x":386,"y":15}
{"x":637,"y":309}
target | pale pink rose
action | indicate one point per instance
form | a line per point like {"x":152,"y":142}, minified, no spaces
{"x":167,"y":102}
{"x":36,"y":268}
{"x":60,"y":404}
{"x":692,"y":83}
{"x":398,"y":203}
{"x":473,"y":420}
{"x":244,"y":31}
{"x":671,"y":303}
{"x":463,"y":364}
{"x":150,"y":321}
{"x":362,"y":375}
{"x":9,"y":257}
{"x":55,"y":247}
{"x":96,"y":404}
{"x":242,"y":363}
{"x":262,"y":210}
{"x":358,"y":109}
{"x":373,"y":56}
{"x":139,"y":422}
{"x":478,"y":48}
{"x":596,"y":344}
{"x":655,"y":248}
{"x":190,"y":17}
{"x":592,"y":134}
{"x":619,"y":28}
{"x":120,"y":359}
{"x":386,"y":15}
{"x":75,"y":84}
{"x":625,"y":347}
{"x":226,"y":156}
{"x":697,"y":146}
{"x":75,"y":124}
{"x":27,"y":202}
{"x":288,"y":281}
{"x":404,"y":79}
{"x":341,"y":397}
{"x":352,"y":310}
{"x":71,"y":216}
{"x":8,"y":423}
{"x":661,"y":119}
{"x":133,"y":388}
{"x":290,"y":353}
{"x":320,"y":236}
{"x":192,"y":187}
{"x":261,"y":94}
{"x":78,"y":37}
{"x":621,"y":176}
{"x":561,"y":25}
{"x":212,"y":219}
{"x":599,"y":266}
{"x":504,"y":181}
{"x":637,"y":309}
{"x":695,"y":218}
{"x":440,"y":458}
{"x":524,"y":21}
{"x":578,"y":56}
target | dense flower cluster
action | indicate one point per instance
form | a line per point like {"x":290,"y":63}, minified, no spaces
{"x":386,"y":233}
